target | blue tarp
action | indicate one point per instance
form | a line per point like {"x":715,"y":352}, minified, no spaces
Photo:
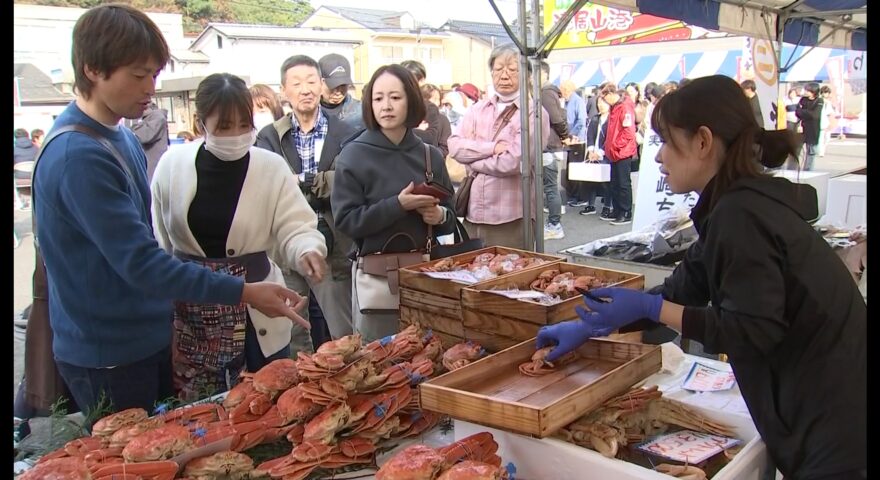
{"x":799,"y":31}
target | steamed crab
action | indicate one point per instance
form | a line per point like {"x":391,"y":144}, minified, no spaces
{"x":419,"y":462}
{"x":111,"y":423}
{"x":462,"y":354}
{"x":159,"y":444}
{"x":227,"y":464}
{"x":294,"y":406}
{"x":686,"y":472}
{"x":471,"y":470}
{"x":323,"y":427}
{"x":565,"y":285}
{"x":539,"y":366}
{"x":445,"y":265}
{"x":307,"y":456}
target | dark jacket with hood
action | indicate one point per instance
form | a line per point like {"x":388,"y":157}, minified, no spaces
{"x":809,"y":111}
{"x":370,"y":173}
{"x":550,"y":98}
{"x":24,"y":151}
{"x":787,"y":313}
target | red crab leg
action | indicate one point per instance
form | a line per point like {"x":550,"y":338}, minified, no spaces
{"x":163,"y":470}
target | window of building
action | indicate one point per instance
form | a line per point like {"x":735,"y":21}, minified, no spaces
{"x":393,"y":54}
{"x":219,"y":41}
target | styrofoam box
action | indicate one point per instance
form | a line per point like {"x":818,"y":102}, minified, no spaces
{"x":550,"y":458}
{"x":818,"y":180}
{"x":847,"y":200}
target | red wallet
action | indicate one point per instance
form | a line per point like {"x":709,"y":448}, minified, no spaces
{"x":434,"y":190}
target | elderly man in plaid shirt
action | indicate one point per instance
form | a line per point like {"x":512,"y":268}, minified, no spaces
{"x":309,"y":139}
{"x":487,"y":143}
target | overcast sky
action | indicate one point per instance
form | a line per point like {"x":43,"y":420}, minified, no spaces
{"x":434,"y":12}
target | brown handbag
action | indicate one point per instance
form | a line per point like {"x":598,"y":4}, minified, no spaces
{"x":462,"y":197}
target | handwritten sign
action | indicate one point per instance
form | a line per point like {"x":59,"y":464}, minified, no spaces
{"x":688,"y":446}
{"x":458,"y":276}
{"x":654,"y":196}
{"x":703,"y":378}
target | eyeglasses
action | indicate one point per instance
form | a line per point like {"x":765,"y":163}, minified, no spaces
{"x":509,"y":70}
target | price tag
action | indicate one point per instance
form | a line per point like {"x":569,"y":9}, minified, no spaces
{"x":688,"y":446}
{"x":458,"y":276}
{"x":703,"y":378}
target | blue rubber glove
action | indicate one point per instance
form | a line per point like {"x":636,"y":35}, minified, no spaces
{"x":626,"y":306}
{"x":567,"y":336}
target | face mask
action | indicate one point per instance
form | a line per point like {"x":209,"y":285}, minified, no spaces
{"x":262,"y":119}
{"x":230,"y":148}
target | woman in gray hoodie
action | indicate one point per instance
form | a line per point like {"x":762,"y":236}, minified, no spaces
{"x":372,"y":199}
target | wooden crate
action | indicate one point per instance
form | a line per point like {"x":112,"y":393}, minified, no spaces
{"x":523,"y":317}
{"x":436,"y":303}
{"x":412,"y":278}
{"x":492,"y":391}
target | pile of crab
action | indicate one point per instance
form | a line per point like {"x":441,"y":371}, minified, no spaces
{"x":335,"y":406}
{"x":634,"y":417}
{"x":564,"y":285}
{"x":487,"y":265}
{"x":472,"y":458}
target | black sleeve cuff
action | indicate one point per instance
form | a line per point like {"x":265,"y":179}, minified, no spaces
{"x":693,"y":323}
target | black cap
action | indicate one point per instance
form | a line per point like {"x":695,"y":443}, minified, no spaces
{"x":335,"y":70}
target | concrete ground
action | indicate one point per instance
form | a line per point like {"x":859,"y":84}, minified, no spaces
{"x":841,"y":156}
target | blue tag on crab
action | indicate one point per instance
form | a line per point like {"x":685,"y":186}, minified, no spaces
{"x":511,"y":470}
{"x":416,"y":416}
{"x":428,"y":336}
{"x":380,"y":410}
{"x":416,"y":378}
{"x":384,"y":341}
{"x":200,"y":433}
{"x":161,"y":409}
{"x":482,"y":352}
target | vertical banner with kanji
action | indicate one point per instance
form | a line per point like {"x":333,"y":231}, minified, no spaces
{"x":653,"y":197}
{"x":760,"y":65}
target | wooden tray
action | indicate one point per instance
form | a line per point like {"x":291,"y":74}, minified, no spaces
{"x":412,"y":278}
{"x":493,"y":392}
{"x":477,"y":298}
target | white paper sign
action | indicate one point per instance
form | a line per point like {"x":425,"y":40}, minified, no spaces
{"x":688,"y":446}
{"x":459,"y":276}
{"x":653,"y":197}
{"x":519,"y":294}
{"x":703,"y":378}
{"x":722,"y":402}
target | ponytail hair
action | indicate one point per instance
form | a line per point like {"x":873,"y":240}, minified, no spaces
{"x":748,"y":147}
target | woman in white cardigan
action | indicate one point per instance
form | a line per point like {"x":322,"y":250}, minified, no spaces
{"x":228,"y":205}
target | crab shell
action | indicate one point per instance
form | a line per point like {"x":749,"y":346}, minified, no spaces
{"x":471,"y":470}
{"x":293,"y":406}
{"x":322,"y":428}
{"x":158,"y":444}
{"x":111,"y":423}
{"x":413,"y":463}
{"x":343,"y":347}
{"x":278,"y":375}
{"x":238,"y":394}
{"x":227,"y":464}
{"x":467,"y":351}
{"x":121,"y":437}
{"x":67,"y":468}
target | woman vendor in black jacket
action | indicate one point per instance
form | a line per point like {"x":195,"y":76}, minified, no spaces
{"x":783,"y":306}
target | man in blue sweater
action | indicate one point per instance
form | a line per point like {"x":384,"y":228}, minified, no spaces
{"x":111,"y":286}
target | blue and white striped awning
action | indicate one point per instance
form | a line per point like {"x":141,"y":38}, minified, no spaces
{"x":675,"y":66}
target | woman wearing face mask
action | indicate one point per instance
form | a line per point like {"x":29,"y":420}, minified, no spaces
{"x":224,"y":203}
{"x":372,"y":195}
{"x":267,"y":108}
